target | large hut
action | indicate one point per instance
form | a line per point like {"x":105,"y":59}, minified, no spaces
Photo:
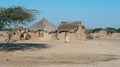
{"x":71,"y":31}
{"x":43,"y":31}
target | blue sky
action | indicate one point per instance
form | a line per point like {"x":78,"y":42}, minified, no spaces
{"x":93,"y":13}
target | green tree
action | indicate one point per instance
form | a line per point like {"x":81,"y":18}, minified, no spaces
{"x":118,"y":30}
{"x":97,"y":29}
{"x":15,"y":16}
{"x":1,"y":26}
{"x":111,"y":29}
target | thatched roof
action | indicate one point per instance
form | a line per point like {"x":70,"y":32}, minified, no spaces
{"x":43,"y":25}
{"x":70,"y":26}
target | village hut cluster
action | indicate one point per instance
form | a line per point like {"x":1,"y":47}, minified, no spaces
{"x":105,"y":34}
{"x":44,"y":30}
{"x":18,"y":34}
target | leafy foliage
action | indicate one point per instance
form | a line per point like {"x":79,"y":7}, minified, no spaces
{"x":1,"y":26}
{"x":16,"y":16}
{"x":110,"y":29}
{"x":97,"y":29}
{"x":118,"y":30}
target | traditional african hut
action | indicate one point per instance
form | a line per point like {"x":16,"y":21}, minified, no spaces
{"x":106,"y":33}
{"x":43,"y":31}
{"x":102,"y":33}
{"x":71,"y":31}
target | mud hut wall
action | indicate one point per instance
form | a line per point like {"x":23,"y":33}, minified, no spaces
{"x":50,"y":36}
{"x":54,"y":35}
{"x":116,"y":35}
{"x":45,"y":36}
{"x":61,"y":36}
{"x":72,"y":37}
{"x":34,"y":36}
{"x":102,"y":33}
{"x":78,"y":34}
{"x":83,"y":34}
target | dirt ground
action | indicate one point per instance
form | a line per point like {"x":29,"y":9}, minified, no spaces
{"x":89,"y":53}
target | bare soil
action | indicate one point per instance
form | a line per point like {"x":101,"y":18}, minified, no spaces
{"x":90,"y":53}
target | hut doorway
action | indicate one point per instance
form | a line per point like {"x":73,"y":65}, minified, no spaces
{"x":67,"y":38}
{"x":41,"y":34}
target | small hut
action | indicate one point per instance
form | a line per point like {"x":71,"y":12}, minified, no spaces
{"x":71,"y":31}
{"x":103,"y":33}
{"x":43,"y":31}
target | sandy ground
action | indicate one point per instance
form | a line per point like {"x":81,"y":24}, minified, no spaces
{"x":90,"y":53}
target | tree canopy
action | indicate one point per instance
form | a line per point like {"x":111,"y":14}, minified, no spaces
{"x":1,"y":26}
{"x":16,"y":16}
{"x":111,"y":29}
{"x":96,"y":29}
{"x":118,"y":30}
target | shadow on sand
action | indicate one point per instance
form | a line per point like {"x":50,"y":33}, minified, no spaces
{"x":20,"y":46}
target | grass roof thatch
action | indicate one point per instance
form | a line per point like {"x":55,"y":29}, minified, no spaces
{"x":69,"y":26}
{"x":43,"y":25}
